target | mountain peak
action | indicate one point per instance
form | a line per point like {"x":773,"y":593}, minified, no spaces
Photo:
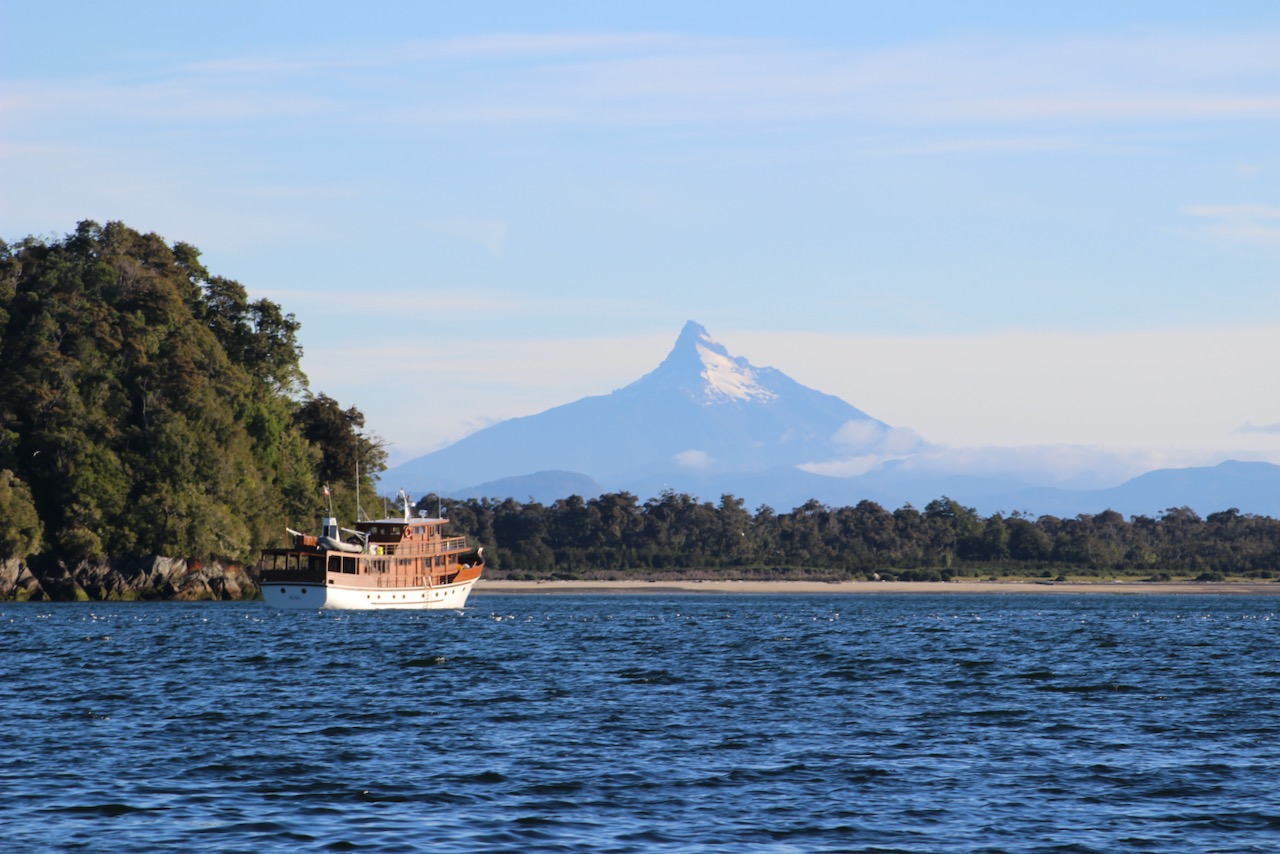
{"x":702,"y":413}
{"x":691,"y":333}
{"x":704,"y":370}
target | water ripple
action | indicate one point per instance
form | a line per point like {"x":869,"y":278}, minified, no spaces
{"x":648,"y":723}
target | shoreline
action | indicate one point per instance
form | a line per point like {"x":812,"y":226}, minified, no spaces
{"x":1242,"y":588}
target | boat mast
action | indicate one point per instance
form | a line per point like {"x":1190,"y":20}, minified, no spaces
{"x":359,"y":509}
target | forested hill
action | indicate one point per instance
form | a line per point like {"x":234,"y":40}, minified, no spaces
{"x":614,"y":536}
{"x":152,"y":408}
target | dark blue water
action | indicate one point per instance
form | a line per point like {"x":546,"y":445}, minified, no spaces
{"x":641,"y":723}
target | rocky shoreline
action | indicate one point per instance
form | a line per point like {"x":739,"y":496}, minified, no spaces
{"x":136,"y":579}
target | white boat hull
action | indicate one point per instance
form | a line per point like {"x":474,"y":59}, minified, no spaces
{"x":296,"y":595}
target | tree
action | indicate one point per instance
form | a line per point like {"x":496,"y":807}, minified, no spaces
{"x":953,"y":529}
{"x":1027,"y":542}
{"x":151,"y":408}
{"x":344,"y":450}
{"x":20,"y":527}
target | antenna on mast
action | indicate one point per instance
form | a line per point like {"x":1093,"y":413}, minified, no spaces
{"x":404,"y":497}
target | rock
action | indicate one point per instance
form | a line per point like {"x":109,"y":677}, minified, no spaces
{"x":154,"y":577}
{"x":216,"y":581}
{"x":17,"y":584}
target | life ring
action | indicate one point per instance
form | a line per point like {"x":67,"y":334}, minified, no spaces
{"x":408,"y":532}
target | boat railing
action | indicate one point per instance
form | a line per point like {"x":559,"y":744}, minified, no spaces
{"x":448,"y":544}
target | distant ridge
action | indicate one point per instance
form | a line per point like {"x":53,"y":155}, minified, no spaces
{"x":1251,"y":487}
{"x":543,"y":486}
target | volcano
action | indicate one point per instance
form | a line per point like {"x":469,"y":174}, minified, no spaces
{"x":701,"y":416}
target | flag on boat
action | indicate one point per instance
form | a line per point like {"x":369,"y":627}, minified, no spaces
{"x":326,"y":490}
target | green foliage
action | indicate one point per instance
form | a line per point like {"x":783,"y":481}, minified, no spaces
{"x":20,"y":528}
{"x":150,"y":408}
{"x":344,"y":451}
{"x":77,"y":543}
{"x":676,"y":535}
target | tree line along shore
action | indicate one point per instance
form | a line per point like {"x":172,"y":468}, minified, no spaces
{"x":157,"y":432}
{"x":615,"y":536}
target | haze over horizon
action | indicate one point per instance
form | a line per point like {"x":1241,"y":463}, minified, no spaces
{"x":995,"y":224}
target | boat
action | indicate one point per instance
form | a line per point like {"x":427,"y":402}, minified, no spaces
{"x":402,"y":563}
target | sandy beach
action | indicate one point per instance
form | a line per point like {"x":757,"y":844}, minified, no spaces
{"x":1113,"y":587}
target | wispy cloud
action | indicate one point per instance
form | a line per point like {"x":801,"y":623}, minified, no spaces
{"x":1267,"y":429}
{"x":1063,"y":465}
{"x":663,"y":78}
{"x":446,"y":303}
{"x":169,"y":98}
{"x":495,"y":46}
{"x":1255,"y":224}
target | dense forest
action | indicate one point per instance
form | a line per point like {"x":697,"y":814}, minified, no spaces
{"x":674,"y":535}
{"x":151,"y":408}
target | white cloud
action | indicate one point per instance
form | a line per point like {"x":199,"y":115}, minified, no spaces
{"x":858,"y":433}
{"x":900,"y":440}
{"x":867,"y":434}
{"x":871,"y":444}
{"x":847,"y":467}
{"x":694,"y":460}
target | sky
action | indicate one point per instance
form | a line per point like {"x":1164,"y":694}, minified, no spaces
{"x":998,"y":224}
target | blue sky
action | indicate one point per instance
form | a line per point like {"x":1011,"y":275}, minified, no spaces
{"x":997,"y":224}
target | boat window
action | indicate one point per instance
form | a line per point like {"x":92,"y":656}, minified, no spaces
{"x":348,"y":564}
{"x":335,"y":563}
{"x":315,"y":563}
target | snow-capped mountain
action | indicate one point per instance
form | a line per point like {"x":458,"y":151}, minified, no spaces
{"x":702,"y":413}
{"x":707,"y":423}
